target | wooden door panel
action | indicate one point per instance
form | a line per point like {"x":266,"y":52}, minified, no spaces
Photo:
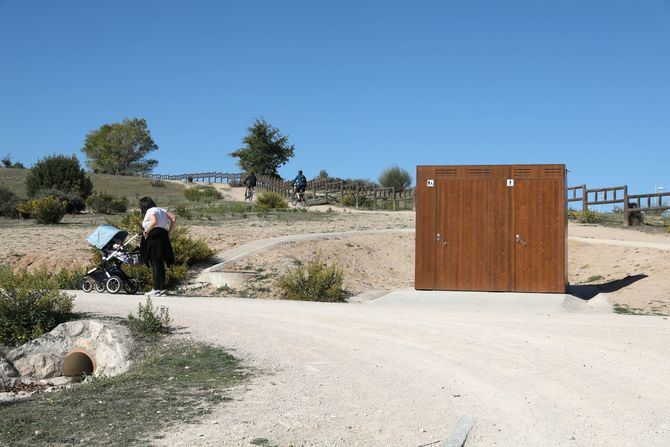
{"x":424,"y":264}
{"x":538,"y":227}
{"x":462,"y":261}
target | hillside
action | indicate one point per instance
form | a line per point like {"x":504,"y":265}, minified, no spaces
{"x":131,"y":187}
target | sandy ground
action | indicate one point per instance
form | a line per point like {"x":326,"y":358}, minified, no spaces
{"x":401,"y":370}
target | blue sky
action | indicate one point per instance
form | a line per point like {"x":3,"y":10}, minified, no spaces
{"x":357,"y":85}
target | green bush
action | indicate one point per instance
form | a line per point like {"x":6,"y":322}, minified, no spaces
{"x":187,"y":250}
{"x":202,"y":194}
{"x":102,"y":203}
{"x":75,"y":203}
{"x":363,"y":202}
{"x":30,"y":305}
{"x":317,"y":282}
{"x":272,"y":201}
{"x":25,"y":209}
{"x":59,"y":172}
{"x":395,"y":177}
{"x":184,"y":212}
{"x":8,"y":202}
{"x":586,"y":217}
{"x":48,"y":210}
{"x":150,"y":320}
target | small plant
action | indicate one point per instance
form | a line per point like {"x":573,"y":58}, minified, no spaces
{"x":30,"y":305}
{"x":158,"y":183}
{"x":25,"y":209}
{"x":102,"y":203}
{"x":189,"y":179}
{"x":593,"y":278}
{"x":8,"y":202}
{"x":75,"y":203}
{"x":271,"y":201}
{"x":48,"y":210}
{"x":202,"y":194}
{"x":586,"y":217}
{"x":151,"y":320}
{"x":184,"y":212}
{"x":316,"y":282}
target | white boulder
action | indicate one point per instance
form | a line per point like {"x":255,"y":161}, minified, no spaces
{"x":108,"y":345}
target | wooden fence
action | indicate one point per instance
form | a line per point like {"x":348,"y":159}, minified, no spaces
{"x":614,"y":195}
{"x":362,"y":195}
{"x":210,"y":177}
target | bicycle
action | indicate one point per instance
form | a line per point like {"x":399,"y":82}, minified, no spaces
{"x":249,"y":194}
{"x":298,"y":198}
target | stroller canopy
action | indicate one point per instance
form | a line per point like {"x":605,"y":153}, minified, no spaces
{"x":104,"y":234}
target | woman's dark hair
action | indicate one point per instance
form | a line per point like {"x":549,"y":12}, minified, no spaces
{"x":145,"y":204}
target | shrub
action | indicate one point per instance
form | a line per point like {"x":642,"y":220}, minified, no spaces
{"x":396,"y":177}
{"x":75,"y":203}
{"x":59,"y":172}
{"x":158,"y":183}
{"x":30,"y":305}
{"x":150,"y":320}
{"x":119,"y":205}
{"x":202,"y":194}
{"x":48,"y":210}
{"x":8,"y":202}
{"x":184,"y":212}
{"x":187,"y":250}
{"x":271,"y":200}
{"x":25,"y":209}
{"x":317,"y":282}
{"x":103,"y":203}
{"x":189,"y":179}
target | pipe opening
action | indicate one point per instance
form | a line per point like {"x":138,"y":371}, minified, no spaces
{"x":77,"y":364}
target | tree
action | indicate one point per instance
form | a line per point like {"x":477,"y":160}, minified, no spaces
{"x":264,"y":150}
{"x":7,"y":161}
{"x":120,"y":148}
{"x":395,"y":177}
{"x":58,"y":172}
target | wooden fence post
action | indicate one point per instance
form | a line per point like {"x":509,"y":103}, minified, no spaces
{"x":626,"y":209}
{"x":393,"y":195}
{"x":585,"y":206}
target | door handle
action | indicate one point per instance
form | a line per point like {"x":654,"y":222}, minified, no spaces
{"x":520,"y":241}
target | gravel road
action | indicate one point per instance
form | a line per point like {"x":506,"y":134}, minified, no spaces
{"x":402,"y":369}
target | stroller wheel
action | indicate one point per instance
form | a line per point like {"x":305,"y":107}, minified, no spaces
{"x":131,"y":286}
{"x":100,"y":287}
{"x":113,"y":284}
{"x":87,"y":285}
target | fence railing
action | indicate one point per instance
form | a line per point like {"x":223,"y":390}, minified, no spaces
{"x":613,"y":195}
{"x":200,"y":177}
{"x":361,"y":194}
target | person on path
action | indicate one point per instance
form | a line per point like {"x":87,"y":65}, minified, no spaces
{"x":155,"y":248}
{"x":300,"y":182}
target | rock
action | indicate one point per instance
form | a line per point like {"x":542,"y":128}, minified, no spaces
{"x":107,"y":344}
{"x":7,"y":372}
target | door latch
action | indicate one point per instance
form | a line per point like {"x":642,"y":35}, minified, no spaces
{"x":438,"y":237}
{"x":520,"y":241}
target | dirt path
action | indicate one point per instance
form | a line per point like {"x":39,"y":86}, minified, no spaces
{"x":401,"y":370}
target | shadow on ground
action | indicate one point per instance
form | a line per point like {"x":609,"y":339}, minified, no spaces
{"x":588,"y":291}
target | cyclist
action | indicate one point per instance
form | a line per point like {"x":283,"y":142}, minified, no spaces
{"x":300,"y":183}
{"x":250,"y":181}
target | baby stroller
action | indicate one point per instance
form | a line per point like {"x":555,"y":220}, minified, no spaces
{"x":108,"y":275}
